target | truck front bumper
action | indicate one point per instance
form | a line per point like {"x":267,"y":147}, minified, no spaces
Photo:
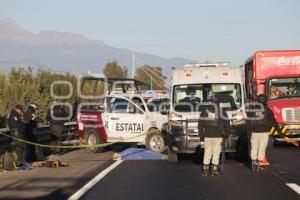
{"x":190,"y":143}
{"x":288,"y":130}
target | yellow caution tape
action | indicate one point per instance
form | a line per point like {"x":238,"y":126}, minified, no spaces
{"x":79,"y":146}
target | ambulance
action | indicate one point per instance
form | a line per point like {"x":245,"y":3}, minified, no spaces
{"x":192,"y":87}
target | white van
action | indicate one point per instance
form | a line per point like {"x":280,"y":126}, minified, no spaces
{"x":191,"y":88}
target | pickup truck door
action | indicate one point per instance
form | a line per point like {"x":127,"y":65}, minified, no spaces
{"x":124,"y":120}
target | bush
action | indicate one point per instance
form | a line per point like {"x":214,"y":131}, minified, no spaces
{"x":20,"y":85}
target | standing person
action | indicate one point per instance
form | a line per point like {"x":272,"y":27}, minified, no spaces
{"x":260,"y":122}
{"x":213,"y":125}
{"x":16,"y":124}
{"x":30,"y":114}
{"x":56,"y":116}
{"x":31,"y":120}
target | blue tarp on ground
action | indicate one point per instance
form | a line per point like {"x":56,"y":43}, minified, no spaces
{"x":140,"y":154}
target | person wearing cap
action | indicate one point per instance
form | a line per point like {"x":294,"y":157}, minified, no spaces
{"x":30,"y":114}
{"x":16,"y":125}
{"x":260,"y":120}
{"x":212,"y":126}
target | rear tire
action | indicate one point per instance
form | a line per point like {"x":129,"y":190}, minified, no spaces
{"x":155,"y":142}
{"x":92,"y":138}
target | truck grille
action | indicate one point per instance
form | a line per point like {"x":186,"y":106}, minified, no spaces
{"x":292,"y":115}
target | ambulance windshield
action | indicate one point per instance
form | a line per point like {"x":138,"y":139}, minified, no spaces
{"x":191,"y":98}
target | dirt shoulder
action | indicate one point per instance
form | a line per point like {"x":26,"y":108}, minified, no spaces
{"x":50,"y":183}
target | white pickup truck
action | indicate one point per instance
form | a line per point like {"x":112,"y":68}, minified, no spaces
{"x":124,"y":118}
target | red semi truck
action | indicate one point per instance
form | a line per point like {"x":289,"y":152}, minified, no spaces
{"x":277,"y":74}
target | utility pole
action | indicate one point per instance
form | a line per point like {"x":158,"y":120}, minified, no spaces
{"x":133,"y":62}
{"x":151,"y":82}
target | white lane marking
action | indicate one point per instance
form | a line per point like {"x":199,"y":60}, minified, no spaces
{"x":77,"y":195}
{"x":294,"y":187}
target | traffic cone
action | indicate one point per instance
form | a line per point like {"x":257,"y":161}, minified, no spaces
{"x":265,"y":162}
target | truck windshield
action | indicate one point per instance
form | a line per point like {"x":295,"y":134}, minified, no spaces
{"x":188,"y":98}
{"x":283,"y":87}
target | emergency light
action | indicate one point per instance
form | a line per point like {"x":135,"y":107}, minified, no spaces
{"x":225,"y":74}
{"x":188,"y":67}
{"x":188,"y":74}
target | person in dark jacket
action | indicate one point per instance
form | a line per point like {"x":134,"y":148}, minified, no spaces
{"x":260,"y":120}
{"x":213,"y":125}
{"x":31,"y":120}
{"x":30,"y":114}
{"x":15,"y":121}
{"x":16,"y":124}
{"x":57,"y":116}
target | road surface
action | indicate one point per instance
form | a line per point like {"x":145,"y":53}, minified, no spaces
{"x":156,"y":179}
{"x":161,"y":180}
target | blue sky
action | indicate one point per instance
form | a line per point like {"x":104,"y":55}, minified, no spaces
{"x":225,"y":30}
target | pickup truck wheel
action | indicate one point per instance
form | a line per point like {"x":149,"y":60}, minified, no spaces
{"x":155,"y":142}
{"x":92,"y":138}
{"x":172,"y":157}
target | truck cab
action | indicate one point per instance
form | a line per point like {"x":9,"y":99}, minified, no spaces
{"x":277,"y":75}
{"x":191,"y":89}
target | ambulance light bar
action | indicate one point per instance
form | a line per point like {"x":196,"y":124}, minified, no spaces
{"x":197,"y":65}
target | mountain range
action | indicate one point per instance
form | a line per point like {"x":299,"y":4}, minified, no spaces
{"x":67,"y":52}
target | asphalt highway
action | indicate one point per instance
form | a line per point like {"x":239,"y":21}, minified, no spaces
{"x":155,"y":179}
{"x":162,"y":180}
